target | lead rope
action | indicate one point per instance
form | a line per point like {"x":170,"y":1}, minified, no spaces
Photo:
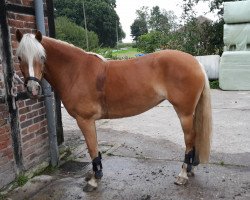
{"x":13,"y":91}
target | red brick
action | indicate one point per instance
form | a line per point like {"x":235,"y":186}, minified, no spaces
{"x":26,"y":124}
{"x":42,"y":111}
{"x":15,"y":23}
{"x":28,"y":137}
{"x":32,"y":114}
{"x":43,"y":123}
{"x":41,"y":131}
{"x":20,"y":104}
{"x":29,"y":24}
{"x":30,"y":143}
{"x":22,"y":118}
{"x":4,"y":144}
{"x":38,"y":105}
{"x":33,"y":128}
{"x":15,"y":1}
{"x":39,"y":118}
{"x":24,"y":131}
{"x":2,"y":130}
{"x":7,"y":152}
{"x":42,"y":137}
{"x":28,"y":2}
{"x":32,"y":156}
{"x":3,"y":160}
{"x":5,"y":136}
{"x":30,"y":102}
{"x":24,"y":110}
{"x":29,"y":151}
{"x":25,"y":18}
{"x":12,"y":30}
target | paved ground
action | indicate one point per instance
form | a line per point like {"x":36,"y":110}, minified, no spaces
{"x":143,"y":156}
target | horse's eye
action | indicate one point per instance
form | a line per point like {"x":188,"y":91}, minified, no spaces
{"x":19,"y":58}
{"x":42,"y":58}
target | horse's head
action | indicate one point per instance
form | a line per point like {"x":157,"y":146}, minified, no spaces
{"x":31,"y":55}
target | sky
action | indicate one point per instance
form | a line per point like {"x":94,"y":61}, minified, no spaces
{"x":126,"y":11}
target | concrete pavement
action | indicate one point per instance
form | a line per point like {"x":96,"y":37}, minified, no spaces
{"x":143,"y":156}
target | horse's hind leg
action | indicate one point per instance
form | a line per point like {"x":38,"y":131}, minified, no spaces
{"x":89,"y":131}
{"x":189,"y":136}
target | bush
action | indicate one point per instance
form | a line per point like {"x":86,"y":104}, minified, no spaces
{"x":124,"y":45}
{"x":70,"y":32}
{"x":214,"y":84}
{"x":150,"y":42}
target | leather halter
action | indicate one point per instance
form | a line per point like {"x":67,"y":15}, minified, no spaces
{"x":31,"y":78}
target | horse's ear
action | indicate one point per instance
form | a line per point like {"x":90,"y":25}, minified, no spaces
{"x":19,"y":35}
{"x":39,"y":36}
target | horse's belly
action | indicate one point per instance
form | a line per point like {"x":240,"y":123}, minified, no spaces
{"x":132,"y":107}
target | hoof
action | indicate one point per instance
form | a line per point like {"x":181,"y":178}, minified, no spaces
{"x":89,"y":188}
{"x":181,"y":181}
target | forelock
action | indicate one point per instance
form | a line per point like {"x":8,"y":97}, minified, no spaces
{"x":30,"y":48}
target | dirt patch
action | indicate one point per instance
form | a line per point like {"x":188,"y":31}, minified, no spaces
{"x":73,"y":166}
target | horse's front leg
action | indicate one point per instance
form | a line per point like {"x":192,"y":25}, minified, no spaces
{"x":89,"y":131}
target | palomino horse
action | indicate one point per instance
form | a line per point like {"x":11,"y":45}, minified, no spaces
{"x":93,"y":88}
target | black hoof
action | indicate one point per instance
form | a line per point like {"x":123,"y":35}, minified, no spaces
{"x":89,"y":188}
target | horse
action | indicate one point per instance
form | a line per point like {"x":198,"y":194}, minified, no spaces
{"x":93,"y":88}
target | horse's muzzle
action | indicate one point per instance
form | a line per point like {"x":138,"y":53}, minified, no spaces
{"x":34,"y":89}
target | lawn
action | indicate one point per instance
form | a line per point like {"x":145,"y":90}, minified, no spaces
{"x":128,"y":52}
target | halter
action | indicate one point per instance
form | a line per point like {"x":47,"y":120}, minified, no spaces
{"x":31,"y":78}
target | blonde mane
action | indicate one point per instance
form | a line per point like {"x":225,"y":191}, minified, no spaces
{"x":90,"y":53}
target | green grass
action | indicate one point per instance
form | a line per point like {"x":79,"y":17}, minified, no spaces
{"x":2,"y":197}
{"x":48,"y":171}
{"x":214,"y":84}
{"x":21,"y":180}
{"x":129,"y":52}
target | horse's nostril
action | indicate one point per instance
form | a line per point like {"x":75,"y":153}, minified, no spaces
{"x":39,"y":88}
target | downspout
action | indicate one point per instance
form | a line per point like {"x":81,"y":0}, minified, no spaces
{"x":39,"y":13}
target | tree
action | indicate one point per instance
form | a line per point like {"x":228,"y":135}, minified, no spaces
{"x":140,"y":25}
{"x":158,"y":21}
{"x":70,"y":32}
{"x":214,"y":5}
{"x":103,"y":22}
{"x":101,"y":17}
{"x":214,"y":33}
{"x":138,"y":28}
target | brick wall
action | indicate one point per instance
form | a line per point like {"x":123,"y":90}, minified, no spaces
{"x":7,"y":164}
{"x":32,"y":122}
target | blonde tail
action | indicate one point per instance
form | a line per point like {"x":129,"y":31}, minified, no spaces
{"x":203,"y":124}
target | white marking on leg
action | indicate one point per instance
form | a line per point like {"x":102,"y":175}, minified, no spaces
{"x":183,"y":173}
{"x":93,"y":182}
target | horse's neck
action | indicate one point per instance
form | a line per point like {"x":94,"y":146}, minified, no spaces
{"x":60,"y":59}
